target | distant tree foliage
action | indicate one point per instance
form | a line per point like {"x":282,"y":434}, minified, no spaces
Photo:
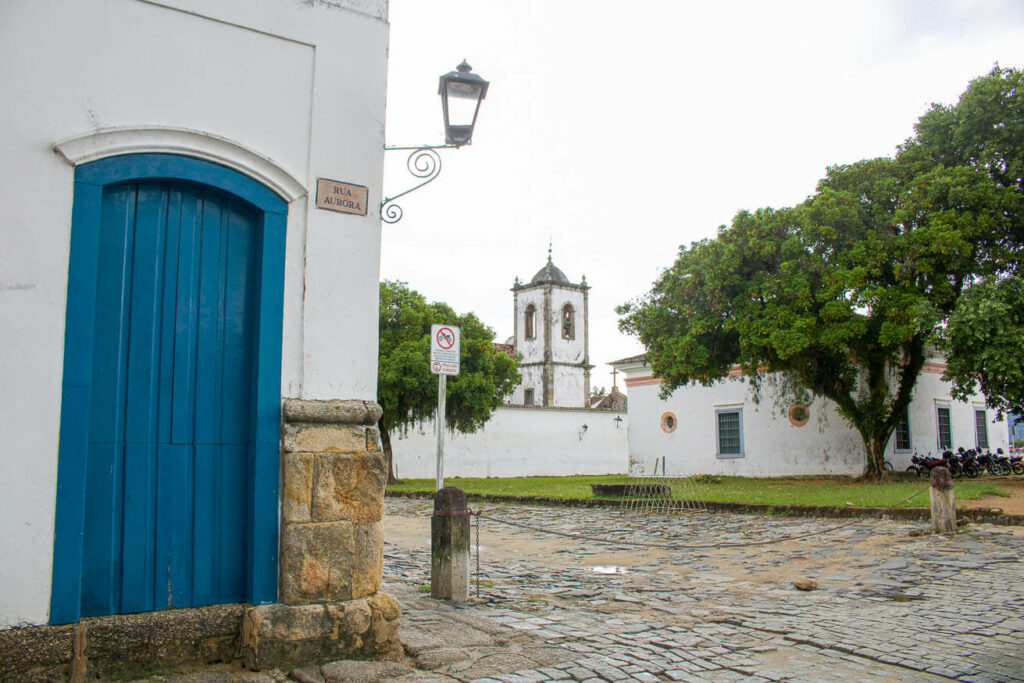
{"x":985,"y":337}
{"x":407,"y":390}
{"x":985,"y":341}
{"x":841,"y":295}
{"x":984,"y":129}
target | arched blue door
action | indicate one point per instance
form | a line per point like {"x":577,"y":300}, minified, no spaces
{"x":171,"y":390}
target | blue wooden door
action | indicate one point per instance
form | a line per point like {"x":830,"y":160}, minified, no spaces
{"x":168,"y":465}
{"x":169,"y":414}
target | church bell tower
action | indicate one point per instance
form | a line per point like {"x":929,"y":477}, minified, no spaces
{"x":551,"y":336}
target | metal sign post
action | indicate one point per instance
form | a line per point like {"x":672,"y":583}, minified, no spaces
{"x":442,"y":385}
{"x":444,"y":361}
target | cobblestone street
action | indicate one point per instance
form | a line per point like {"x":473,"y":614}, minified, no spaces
{"x":891,"y":602}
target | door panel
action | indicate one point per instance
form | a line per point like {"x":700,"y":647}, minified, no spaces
{"x":169,"y":454}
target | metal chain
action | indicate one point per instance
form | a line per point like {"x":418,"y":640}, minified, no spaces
{"x":666,"y":546}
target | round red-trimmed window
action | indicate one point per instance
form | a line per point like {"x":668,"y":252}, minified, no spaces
{"x":799,"y":414}
{"x":669,"y":422}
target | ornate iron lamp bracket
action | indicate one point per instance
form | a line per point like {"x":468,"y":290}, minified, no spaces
{"x":423,"y":162}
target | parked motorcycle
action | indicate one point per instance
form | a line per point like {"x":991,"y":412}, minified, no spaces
{"x":968,"y":462}
{"x":956,"y":468}
{"x":1004,"y":462}
{"x":1017,"y":464}
{"x":988,"y":462}
{"x":923,"y":465}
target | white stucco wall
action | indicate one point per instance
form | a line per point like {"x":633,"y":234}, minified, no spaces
{"x":531,"y":349}
{"x":929,"y":394}
{"x":519,"y":442}
{"x":566,"y":350}
{"x":773,"y":446}
{"x":302,"y":84}
{"x":532,"y":378}
{"x":569,"y":389}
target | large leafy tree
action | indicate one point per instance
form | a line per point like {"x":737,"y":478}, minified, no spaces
{"x":984,"y":340}
{"x":407,"y":390}
{"x":838,"y":296}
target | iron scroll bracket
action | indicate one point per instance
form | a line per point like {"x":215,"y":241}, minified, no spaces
{"x":423,"y":162}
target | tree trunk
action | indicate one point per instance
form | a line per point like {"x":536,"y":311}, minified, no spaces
{"x":385,"y":444}
{"x":875,"y":449}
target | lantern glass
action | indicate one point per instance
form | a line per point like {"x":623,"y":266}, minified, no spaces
{"x":463,"y":101}
{"x":461,"y":92}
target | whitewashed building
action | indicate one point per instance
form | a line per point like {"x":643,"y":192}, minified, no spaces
{"x":721,"y":429}
{"x":175,"y":275}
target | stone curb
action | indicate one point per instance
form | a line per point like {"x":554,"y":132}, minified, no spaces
{"x":989,"y":515}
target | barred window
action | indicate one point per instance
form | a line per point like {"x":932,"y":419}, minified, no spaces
{"x":529,"y":331}
{"x":730,"y":433}
{"x":945,"y":430}
{"x":981,"y":428}
{"x":903,"y":432}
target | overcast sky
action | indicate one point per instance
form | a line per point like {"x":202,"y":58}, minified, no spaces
{"x":622,"y":130}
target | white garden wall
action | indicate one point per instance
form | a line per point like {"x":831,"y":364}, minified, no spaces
{"x":519,"y":442}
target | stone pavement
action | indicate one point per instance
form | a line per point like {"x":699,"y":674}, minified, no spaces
{"x":891,"y":603}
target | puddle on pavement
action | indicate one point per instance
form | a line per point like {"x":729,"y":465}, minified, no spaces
{"x":609,"y":569}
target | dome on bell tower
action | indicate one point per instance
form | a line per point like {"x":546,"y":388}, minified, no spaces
{"x":550,"y":273}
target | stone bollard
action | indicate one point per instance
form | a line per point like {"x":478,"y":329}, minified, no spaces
{"x":449,"y":546}
{"x":943,"y":501}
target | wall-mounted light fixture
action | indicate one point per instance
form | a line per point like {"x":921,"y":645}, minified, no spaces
{"x":461,"y":93}
{"x":583,"y":430}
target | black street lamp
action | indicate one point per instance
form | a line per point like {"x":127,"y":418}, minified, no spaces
{"x":461,"y":93}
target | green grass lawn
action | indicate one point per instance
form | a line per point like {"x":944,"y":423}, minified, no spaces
{"x":774,"y":491}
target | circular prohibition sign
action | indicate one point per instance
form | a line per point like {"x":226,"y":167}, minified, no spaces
{"x":445,"y":338}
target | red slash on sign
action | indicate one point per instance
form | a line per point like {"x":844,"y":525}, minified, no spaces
{"x":445,"y":338}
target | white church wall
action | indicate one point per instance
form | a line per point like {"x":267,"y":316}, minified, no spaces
{"x":532,"y":378}
{"x":566,"y":350}
{"x":772,"y":445}
{"x":531,"y":349}
{"x":569,"y":390}
{"x":519,"y":442}
{"x":224,"y":69}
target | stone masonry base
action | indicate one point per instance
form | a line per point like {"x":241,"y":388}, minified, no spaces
{"x":260,"y":637}
{"x":122,"y":645}
{"x":291,"y":635}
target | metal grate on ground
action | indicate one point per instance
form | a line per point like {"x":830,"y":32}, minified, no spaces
{"x":661,"y":492}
